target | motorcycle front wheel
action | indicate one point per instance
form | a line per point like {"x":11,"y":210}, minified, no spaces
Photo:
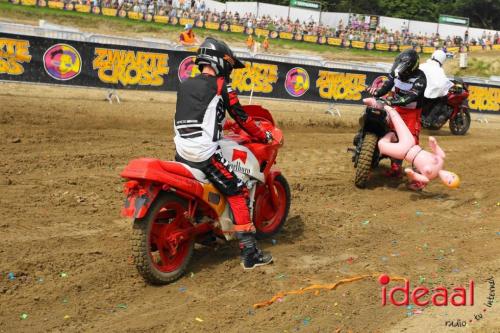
{"x":161,"y":253}
{"x":365,"y":160}
{"x":461,"y":123}
{"x":268,"y":218}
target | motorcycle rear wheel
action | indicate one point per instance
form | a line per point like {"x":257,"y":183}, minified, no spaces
{"x":161,"y":259}
{"x":461,"y":123}
{"x":365,"y":160}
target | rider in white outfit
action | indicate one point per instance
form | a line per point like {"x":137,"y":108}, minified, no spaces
{"x":437,"y":82}
{"x":437,"y":85}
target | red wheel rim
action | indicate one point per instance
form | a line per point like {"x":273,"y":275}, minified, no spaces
{"x":168,"y":245}
{"x":267,"y":217}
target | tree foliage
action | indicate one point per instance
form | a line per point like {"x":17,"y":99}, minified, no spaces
{"x":482,"y":13}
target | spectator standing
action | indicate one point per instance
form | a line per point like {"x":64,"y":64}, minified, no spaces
{"x":250,"y":42}
{"x":187,"y":37}
{"x":265,"y":44}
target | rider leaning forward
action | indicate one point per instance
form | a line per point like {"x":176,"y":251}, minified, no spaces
{"x":408,"y":83}
{"x":202,"y":103}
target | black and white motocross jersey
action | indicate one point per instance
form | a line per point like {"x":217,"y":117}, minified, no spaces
{"x":199,"y":117}
{"x":409,"y":93}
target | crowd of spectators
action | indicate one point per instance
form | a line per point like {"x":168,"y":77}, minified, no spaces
{"x":359,"y":27}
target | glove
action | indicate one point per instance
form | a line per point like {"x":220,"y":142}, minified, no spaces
{"x":372,"y":91}
{"x":387,"y":100}
{"x":269,"y":137}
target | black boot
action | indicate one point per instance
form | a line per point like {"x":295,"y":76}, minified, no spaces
{"x":251,"y":256}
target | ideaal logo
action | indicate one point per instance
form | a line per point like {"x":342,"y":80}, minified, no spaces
{"x":130,"y":67}
{"x":256,"y":76}
{"x":297,"y":82}
{"x":62,"y":62}
{"x":340,"y":86}
{"x":13,"y":53}
{"x":188,"y":68}
{"x":438,"y":296}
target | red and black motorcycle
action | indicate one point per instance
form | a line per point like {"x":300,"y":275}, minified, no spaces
{"x":452,"y":108}
{"x":174,"y":206}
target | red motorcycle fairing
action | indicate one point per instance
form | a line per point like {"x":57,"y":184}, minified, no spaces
{"x":456,"y":99}
{"x":139,"y":198}
{"x":148,"y":176}
{"x":262,"y":151}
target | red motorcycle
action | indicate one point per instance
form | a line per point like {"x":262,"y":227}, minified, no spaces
{"x":452,"y":108}
{"x":174,"y":206}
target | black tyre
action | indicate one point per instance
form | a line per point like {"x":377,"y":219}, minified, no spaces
{"x":268,"y":219}
{"x":158,"y":259}
{"x":365,"y":160}
{"x":461,"y":123}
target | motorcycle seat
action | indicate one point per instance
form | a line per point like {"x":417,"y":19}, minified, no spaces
{"x":184,"y":170}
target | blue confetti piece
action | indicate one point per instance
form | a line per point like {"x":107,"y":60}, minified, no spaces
{"x":182,"y":289}
{"x":11,"y":276}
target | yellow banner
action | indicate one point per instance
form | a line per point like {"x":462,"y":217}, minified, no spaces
{"x":212,"y":25}
{"x":161,"y":19}
{"x":109,"y":12}
{"x":185,"y":20}
{"x":134,"y":15}
{"x":13,"y":53}
{"x":404,"y":47}
{"x":428,"y":49}
{"x":310,"y":39}
{"x":453,"y":49}
{"x":340,"y":86}
{"x":257,"y":76}
{"x":55,"y":4}
{"x":484,"y":98}
{"x":82,"y":8}
{"x":261,"y":32}
{"x":30,"y":3}
{"x":129,"y":67}
{"x":334,"y":41}
{"x":357,"y":44}
{"x":496,"y":46}
{"x":475,"y":48}
{"x":286,"y":35}
{"x":382,"y":47}
{"x":236,"y":28}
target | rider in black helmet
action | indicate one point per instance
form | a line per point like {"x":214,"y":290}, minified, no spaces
{"x":408,"y":84}
{"x":200,"y":114}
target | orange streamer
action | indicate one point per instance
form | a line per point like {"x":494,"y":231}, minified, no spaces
{"x":317,"y":287}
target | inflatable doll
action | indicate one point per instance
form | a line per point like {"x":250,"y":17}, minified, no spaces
{"x":401,"y":145}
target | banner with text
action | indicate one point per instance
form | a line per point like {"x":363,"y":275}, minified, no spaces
{"x":45,"y":60}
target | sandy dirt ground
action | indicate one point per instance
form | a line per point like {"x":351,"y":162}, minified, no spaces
{"x":61,"y":152}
